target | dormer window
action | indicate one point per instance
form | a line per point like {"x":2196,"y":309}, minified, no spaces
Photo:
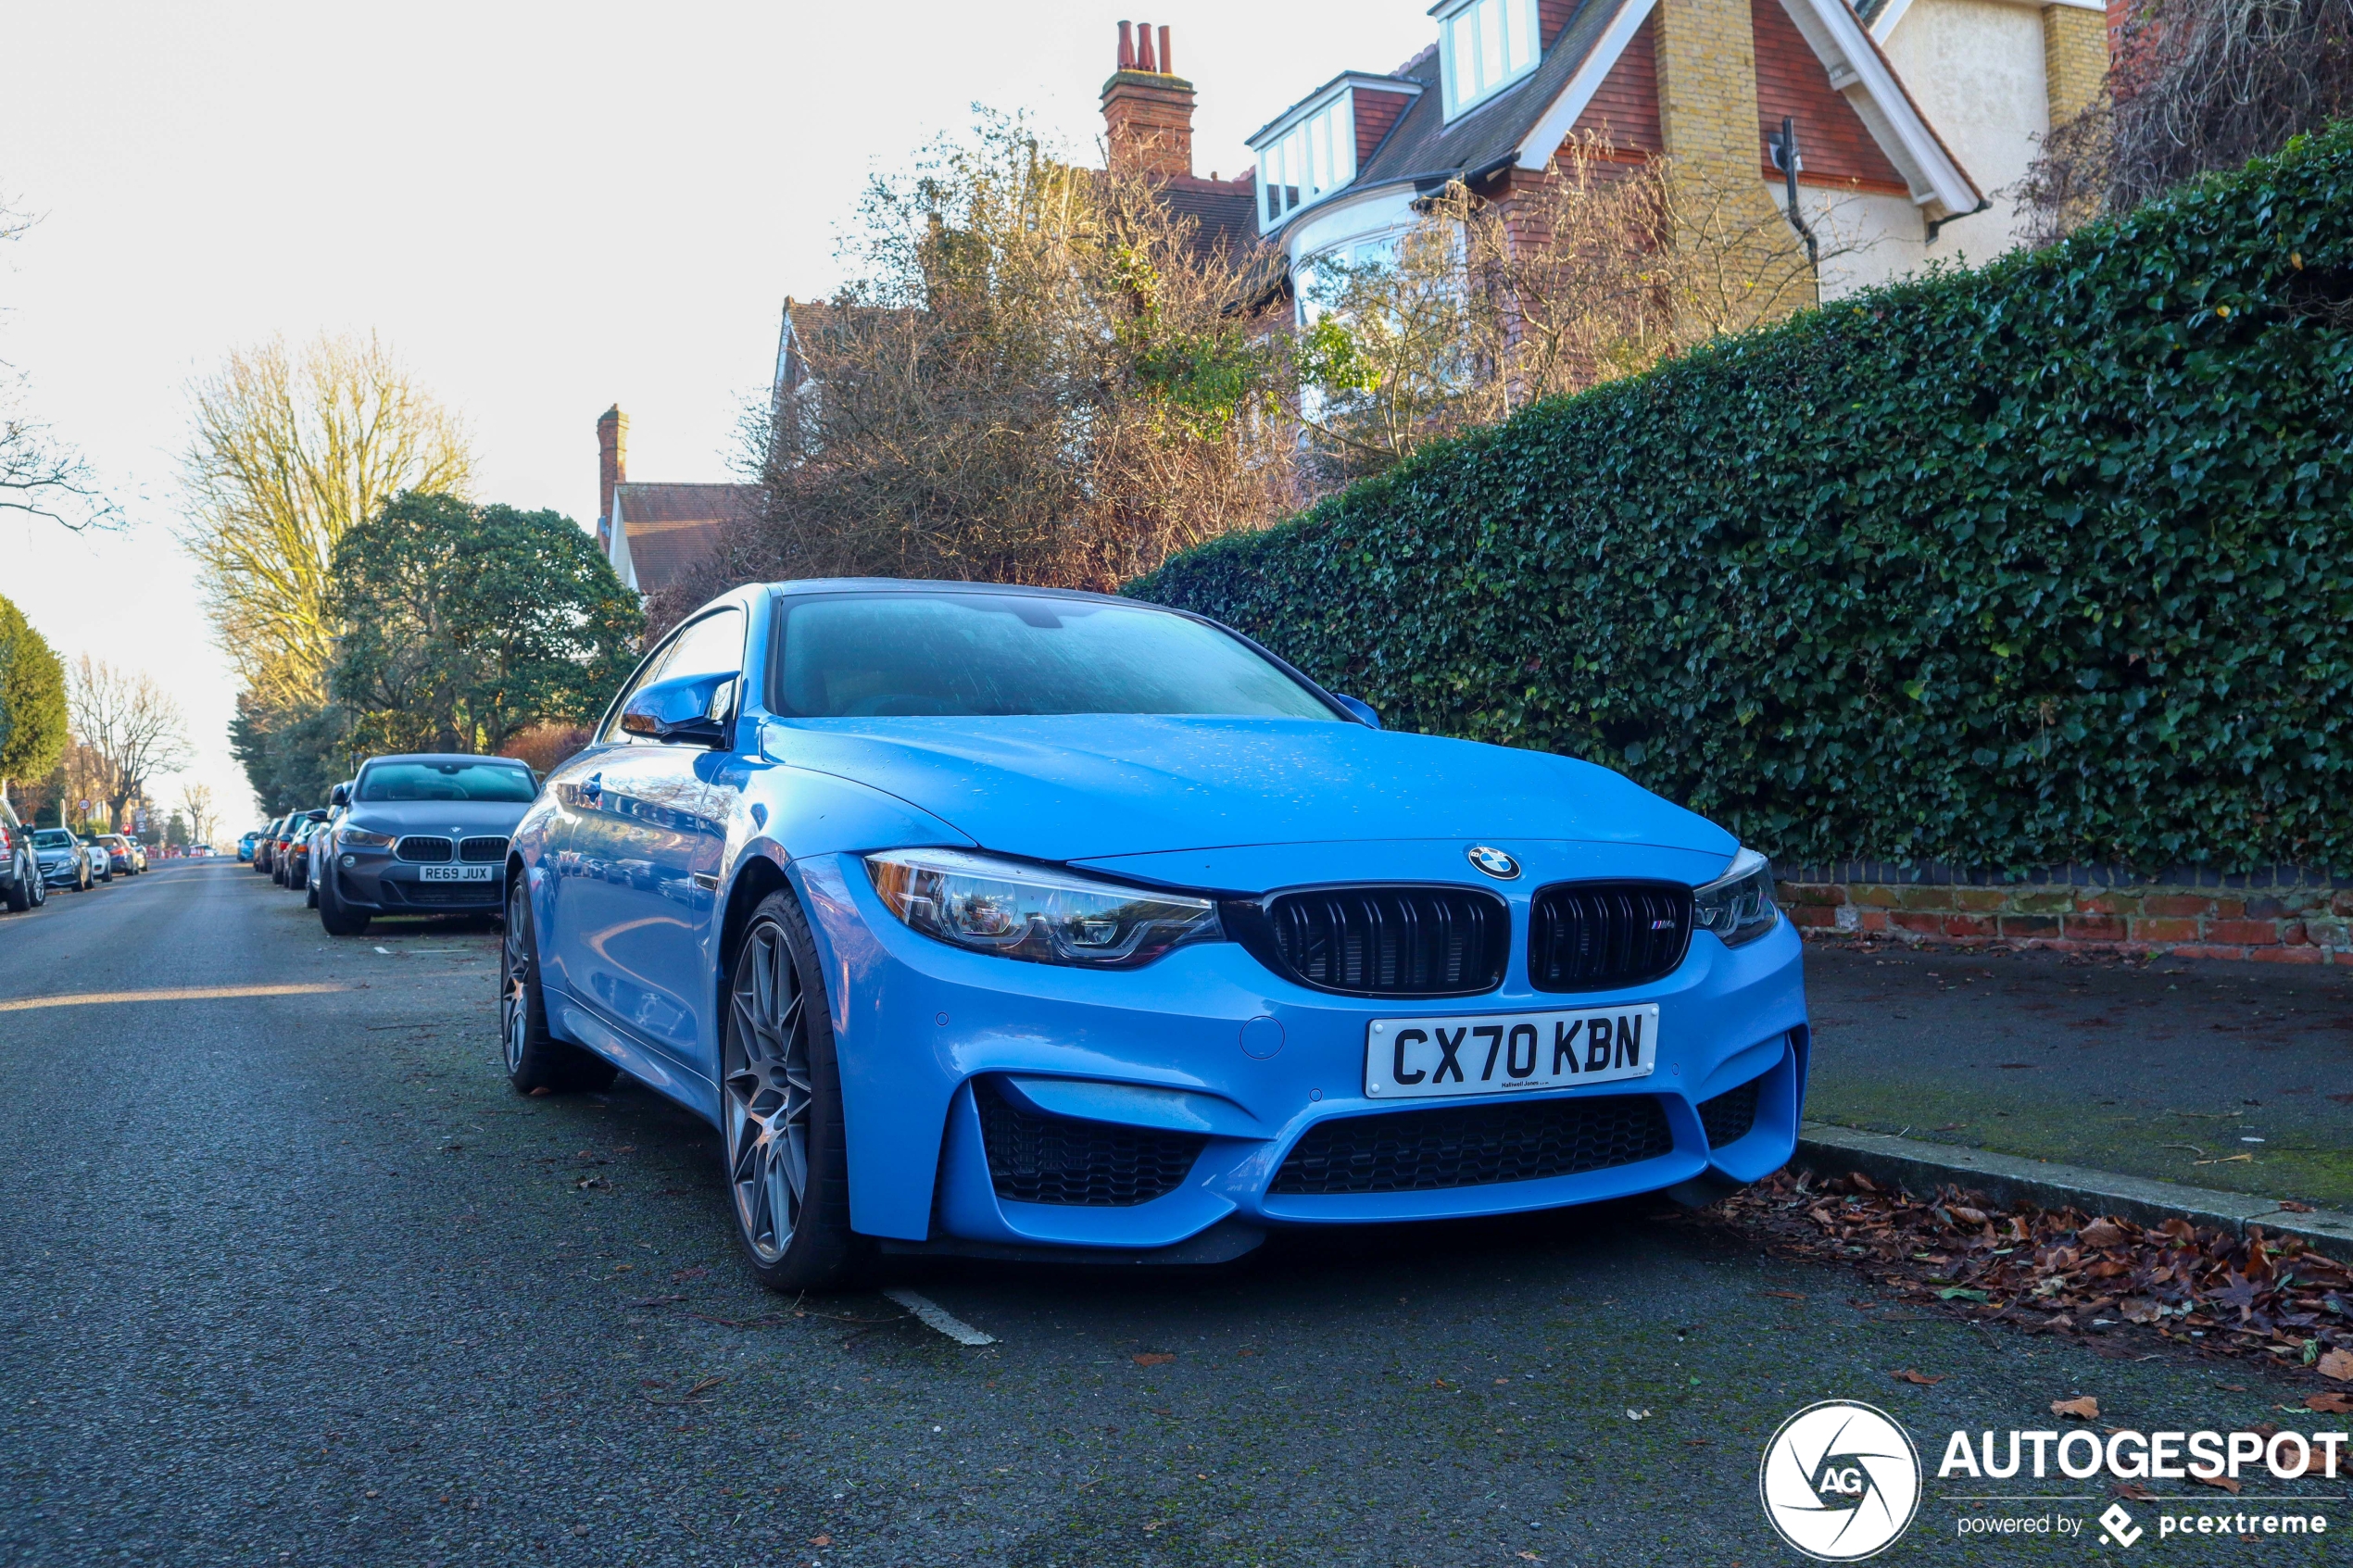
{"x":1484,"y":47}
{"x":1313,"y":157}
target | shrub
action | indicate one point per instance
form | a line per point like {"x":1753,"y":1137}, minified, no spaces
{"x":2051,"y":562}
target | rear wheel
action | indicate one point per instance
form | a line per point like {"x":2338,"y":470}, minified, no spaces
{"x":536,"y":1061}
{"x":780,"y":1108}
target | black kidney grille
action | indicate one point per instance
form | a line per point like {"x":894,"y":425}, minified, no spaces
{"x":1730,"y":1115}
{"x":1593,"y":936}
{"x":1035,"y":1159}
{"x":1474,"y":1145}
{"x":420,"y":846}
{"x":1393,"y":941}
{"x":492,"y":847}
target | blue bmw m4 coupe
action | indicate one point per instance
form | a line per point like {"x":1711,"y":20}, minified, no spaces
{"x":1025,"y":923}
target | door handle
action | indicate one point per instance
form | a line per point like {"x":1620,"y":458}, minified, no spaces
{"x":592,"y":788}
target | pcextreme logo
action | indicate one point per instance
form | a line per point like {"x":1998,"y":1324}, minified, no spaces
{"x":1839,"y":1481}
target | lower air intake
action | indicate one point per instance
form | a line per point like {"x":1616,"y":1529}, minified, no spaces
{"x":1730,"y":1115}
{"x":1039,"y":1159}
{"x":1474,"y":1145}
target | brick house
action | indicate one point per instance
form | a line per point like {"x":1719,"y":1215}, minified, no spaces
{"x":1911,"y":115}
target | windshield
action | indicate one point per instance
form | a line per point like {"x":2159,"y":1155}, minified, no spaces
{"x":448,"y":781}
{"x":53,"y":838}
{"x":868,"y":655}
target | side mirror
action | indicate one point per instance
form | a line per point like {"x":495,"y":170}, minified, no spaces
{"x":684,"y":709}
{"x":339,"y":796}
{"x":1363,"y":710}
{"x":315,"y":816}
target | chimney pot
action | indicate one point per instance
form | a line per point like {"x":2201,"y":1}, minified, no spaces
{"x":1167,"y":61}
{"x":1144,"y":50}
{"x":1126,"y":49}
{"x":1148,"y":124}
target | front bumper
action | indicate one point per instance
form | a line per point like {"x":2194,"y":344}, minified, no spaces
{"x":1211,"y":1049}
{"x":380,"y":884}
{"x":59,"y":873}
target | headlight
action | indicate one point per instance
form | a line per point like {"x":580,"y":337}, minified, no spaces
{"x":361,"y":838}
{"x":1739,"y":905}
{"x":1020,"y":911}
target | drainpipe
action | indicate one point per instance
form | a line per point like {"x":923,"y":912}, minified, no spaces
{"x":1786,"y":159}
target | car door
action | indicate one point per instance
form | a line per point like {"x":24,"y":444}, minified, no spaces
{"x":641,"y":865}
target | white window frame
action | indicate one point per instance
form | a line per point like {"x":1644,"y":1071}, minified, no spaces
{"x":1490,"y":28}
{"x":1311,"y":157}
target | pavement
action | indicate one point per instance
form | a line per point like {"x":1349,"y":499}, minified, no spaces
{"x":2236,"y":1076}
{"x":292,"y":1277}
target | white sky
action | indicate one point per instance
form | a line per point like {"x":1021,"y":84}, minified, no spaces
{"x":543,"y":209}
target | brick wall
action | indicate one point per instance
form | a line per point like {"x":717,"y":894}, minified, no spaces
{"x":2285,"y":915}
{"x":1707,"y":121}
{"x":1624,"y":109}
{"x":2074,"y":59}
{"x":1834,"y":144}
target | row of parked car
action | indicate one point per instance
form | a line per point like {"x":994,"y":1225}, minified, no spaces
{"x":33,"y":860}
{"x":417,"y":833}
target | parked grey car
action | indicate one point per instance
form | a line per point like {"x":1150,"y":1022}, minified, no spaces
{"x":22,"y":884}
{"x":64,"y":861}
{"x":420,"y":835}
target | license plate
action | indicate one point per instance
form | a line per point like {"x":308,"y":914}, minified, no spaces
{"x":1498,"y":1053}
{"x":456,"y":873}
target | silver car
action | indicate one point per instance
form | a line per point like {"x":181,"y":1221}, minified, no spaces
{"x":65,"y":861}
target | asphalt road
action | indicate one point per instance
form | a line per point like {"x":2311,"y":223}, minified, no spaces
{"x":2232,"y":1075}
{"x":296,"y":1279}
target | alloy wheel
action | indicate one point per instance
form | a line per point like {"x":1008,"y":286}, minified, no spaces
{"x":768,"y":1093}
{"x":515,"y":973}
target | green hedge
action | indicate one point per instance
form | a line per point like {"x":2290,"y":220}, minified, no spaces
{"x":2048,"y":562}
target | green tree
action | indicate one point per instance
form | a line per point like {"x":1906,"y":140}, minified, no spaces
{"x":33,"y":699}
{"x":466,"y":623}
{"x":294,"y":754}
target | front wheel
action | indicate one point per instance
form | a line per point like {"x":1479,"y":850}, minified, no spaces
{"x":536,"y":1061}
{"x":780,"y":1108}
{"x":339,"y":917}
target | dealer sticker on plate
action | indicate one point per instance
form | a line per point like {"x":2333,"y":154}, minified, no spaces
{"x":1491,"y":1053}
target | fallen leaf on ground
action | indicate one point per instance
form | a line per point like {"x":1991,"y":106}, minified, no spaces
{"x":2232,"y":1387}
{"x":2293,"y":1207}
{"x":706,"y":1383}
{"x":1923,"y":1379}
{"x":2337,"y":1364}
{"x":2134,"y":1491}
{"x":820,"y":1540}
{"x":1785,"y":1295}
{"x":2100,"y":1233}
{"x":1959,"y":1293}
{"x":2084,"y":1409}
{"x":2329,"y":1402}
{"x":1154,"y":1358}
{"x":2222,"y":1483}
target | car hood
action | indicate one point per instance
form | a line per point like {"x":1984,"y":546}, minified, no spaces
{"x":455,"y":819}
{"x":1077,"y":787}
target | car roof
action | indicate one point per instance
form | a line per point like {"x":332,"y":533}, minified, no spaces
{"x":441,"y":757}
{"x":798,"y":588}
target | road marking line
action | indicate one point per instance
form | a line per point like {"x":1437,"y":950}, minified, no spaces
{"x":178,"y":994}
{"x":934,"y":1315}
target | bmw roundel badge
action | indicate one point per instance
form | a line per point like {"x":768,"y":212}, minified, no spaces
{"x":1494,"y":861}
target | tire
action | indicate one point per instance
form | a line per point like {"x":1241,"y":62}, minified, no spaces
{"x":339,"y":917}
{"x":39,"y":891}
{"x":20,"y":892}
{"x":783,"y":1145}
{"x":310,"y":897}
{"x":536,"y":1061}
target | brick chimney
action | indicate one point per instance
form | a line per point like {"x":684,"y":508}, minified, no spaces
{"x":612,"y":467}
{"x":1148,"y":109}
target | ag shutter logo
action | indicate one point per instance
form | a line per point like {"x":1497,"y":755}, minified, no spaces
{"x":1839,"y":1481}
{"x":2116,"y":1526}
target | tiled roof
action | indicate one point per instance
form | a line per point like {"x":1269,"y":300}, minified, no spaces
{"x":672,"y":527}
{"x":1424,"y":146}
{"x":1226,"y":209}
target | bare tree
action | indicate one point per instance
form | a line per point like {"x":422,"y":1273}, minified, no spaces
{"x":129,"y":726}
{"x":292,"y":447}
{"x":1040,"y":373}
{"x":39,"y":475}
{"x":1602,"y":268}
{"x":2193,"y":86}
{"x":196,"y":804}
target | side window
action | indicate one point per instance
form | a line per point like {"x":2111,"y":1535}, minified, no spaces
{"x":714,"y":643}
